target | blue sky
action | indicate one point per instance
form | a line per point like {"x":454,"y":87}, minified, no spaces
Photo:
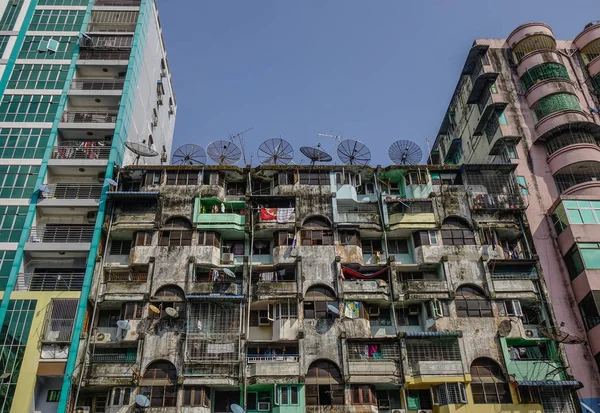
{"x":376,"y":70}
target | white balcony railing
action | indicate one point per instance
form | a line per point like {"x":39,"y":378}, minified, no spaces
{"x":55,"y":234}
{"x":49,"y":282}
{"x":73,"y":191}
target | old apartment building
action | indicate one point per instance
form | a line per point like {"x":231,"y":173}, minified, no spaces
{"x":320,"y":289}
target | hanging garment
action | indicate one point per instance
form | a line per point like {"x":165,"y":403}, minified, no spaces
{"x":285,"y":215}
{"x":268,"y":214}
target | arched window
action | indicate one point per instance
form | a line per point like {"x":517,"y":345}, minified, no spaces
{"x":316,"y":301}
{"x":489,"y":385}
{"x":165,"y":297}
{"x":457,"y":231}
{"x":471,"y":302}
{"x":160,"y":384}
{"x":316,"y":231}
{"x":177,"y":232}
{"x":324,"y":384}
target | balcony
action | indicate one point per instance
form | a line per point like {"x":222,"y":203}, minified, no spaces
{"x":410,"y":213}
{"x":366,"y":290}
{"x":564,"y":119}
{"x":103,"y":117}
{"x":264,"y":288}
{"x":364,"y":214}
{"x":60,"y":238}
{"x":588,"y":42}
{"x":280,"y":365}
{"x":49,"y":281}
{"x":118,"y":3}
{"x":73,"y":191}
{"x":373,"y":361}
{"x":80,"y":152}
{"x":434,"y":354}
{"x":493,"y":187}
{"x":531,"y":37}
{"x":105,"y":55}
{"x":531,"y":360}
{"x":215,"y":288}
{"x":234,"y":216}
{"x":575,"y":153}
{"x":96,"y":85}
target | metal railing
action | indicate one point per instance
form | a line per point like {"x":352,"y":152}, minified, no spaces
{"x":357,"y":208}
{"x":89,"y":117}
{"x":128,"y":358}
{"x":123,"y":3}
{"x":277,"y":358}
{"x":104,"y":55}
{"x":515,"y":275}
{"x":73,"y":191}
{"x":49,"y":282}
{"x":82,"y":150}
{"x":111,"y":27}
{"x":119,"y":277}
{"x":52,"y":234}
{"x":591,"y":322}
{"x":106,"y":42}
{"x":97,"y":84}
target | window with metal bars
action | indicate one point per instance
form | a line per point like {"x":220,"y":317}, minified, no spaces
{"x":120,"y":247}
{"x":554,"y":103}
{"x":451,"y":393}
{"x":549,"y":70}
{"x":432,"y":349}
{"x":576,"y":174}
{"x":349,"y":238}
{"x":198,"y":396}
{"x":533,"y":43}
{"x":60,"y":318}
{"x":571,"y":137}
{"x":373,"y":351}
{"x":591,"y":51}
{"x":363,"y":394}
{"x":472,"y":302}
{"x":489,"y":386}
{"x":182,"y":178}
{"x":314,"y":178}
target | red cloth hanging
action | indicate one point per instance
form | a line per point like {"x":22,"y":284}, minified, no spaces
{"x":268,"y":214}
{"x":348,"y":271}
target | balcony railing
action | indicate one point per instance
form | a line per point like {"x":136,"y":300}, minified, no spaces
{"x":89,"y":117}
{"x":111,"y":27}
{"x":123,"y":3}
{"x":97,"y":84}
{"x":73,"y":191}
{"x":104,"y":42}
{"x":51,"y":234}
{"x":104,"y":55}
{"x":49,"y":282}
{"x":591,"y":322}
{"x":82,"y":150}
{"x":278,"y":358}
{"x":121,"y":277}
{"x":129,"y":358}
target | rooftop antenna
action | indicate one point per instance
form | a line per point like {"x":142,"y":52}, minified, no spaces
{"x":429,"y":151}
{"x":352,"y":152}
{"x":140,"y":149}
{"x":224,"y":152}
{"x":189,"y":155}
{"x":240,"y":140}
{"x":336,"y":138}
{"x":405,"y":152}
{"x":276,"y":151}
{"x":315,"y":154}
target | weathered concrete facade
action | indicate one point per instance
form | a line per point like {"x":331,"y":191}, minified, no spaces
{"x":292,"y":289}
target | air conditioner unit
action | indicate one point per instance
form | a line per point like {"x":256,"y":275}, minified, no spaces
{"x":102,"y":338}
{"x":413,"y":310}
{"x":227,"y":258}
{"x":374,"y":311}
{"x":164,"y":157}
{"x":91,"y":216}
{"x":163,"y":72}
{"x":154,"y":122}
{"x":264,"y":406}
{"x":171,"y":109}
{"x":532,"y":334}
{"x":384,"y":404}
{"x":159,"y":99}
{"x":83,"y":409}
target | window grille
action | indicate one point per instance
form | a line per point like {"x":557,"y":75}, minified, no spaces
{"x":120,"y":247}
{"x":451,"y":393}
{"x":567,"y":138}
{"x":533,"y":43}
{"x":554,"y":103}
{"x":575,"y":174}
{"x":435,"y":349}
{"x":544,"y":71}
{"x":60,"y":318}
{"x":373,"y":351}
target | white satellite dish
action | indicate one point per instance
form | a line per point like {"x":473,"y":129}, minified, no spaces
{"x":123,"y":325}
{"x":142,"y":400}
{"x":333,"y":309}
{"x":111,"y":181}
{"x":154,"y":309}
{"x":229,"y":272}
{"x":171,"y":312}
{"x":236,"y":408}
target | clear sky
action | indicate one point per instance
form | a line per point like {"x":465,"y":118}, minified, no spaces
{"x":372,"y":70}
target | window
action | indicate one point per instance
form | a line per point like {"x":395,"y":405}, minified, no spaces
{"x":472,"y":302}
{"x":314,"y":178}
{"x":283,"y":239}
{"x":178,"y":233}
{"x":432,"y":349}
{"x":363,"y":394}
{"x":398,"y":246}
{"x":168,"y":296}
{"x":316,"y":301}
{"x":489,"y":385}
{"x":209,"y":238}
{"x":324,"y":384}
{"x":60,"y":319}
{"x":409,"y":316}
{"x":120,"y":247}
{"x":554,"y":103}
{"x":108,"y":318}
{"x":522,"y":183}
{"x":316,"y":231}
{"x":288,"y":395}
{"x":286,"y":178}
{"x":133,"y":310}
{"x":349,"y":238}
{"x":261,"y":247}
{"x":590,"y":309}
{"x":373,"y":351}
{"x":6,"y":262}
{"x":502,"y":121}
{"x":451,"y":393}
{"x":53,"y":396}
{"x":12,"y":220}
{"x":233,"y":247}
{"x":543,"y":71}
{"x":574,"y":262}
{"x":255,"y":400}
{"x":31,"y":47}
{"x":121,"y":396}
{"x":23,"y":143}
{"x":28,"y":108}
{"x":56,"y":20}
{"x":143,"y":238}
{"x":182,"y":178}
{"x":3,"y":44}
{"x":11,"y":13}
{"x":152,"y":178}
{"x":198,"y":396}
{"x":371,"y":246}
{"x":164,"y":395}
{"x":421,"y":238}
{"x":455,"y":231}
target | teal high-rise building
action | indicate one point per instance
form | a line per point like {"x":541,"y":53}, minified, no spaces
{"x":78,"y":79}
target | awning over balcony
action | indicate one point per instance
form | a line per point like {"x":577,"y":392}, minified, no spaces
{"x":428,"y":334}
{"x":548,"y":383}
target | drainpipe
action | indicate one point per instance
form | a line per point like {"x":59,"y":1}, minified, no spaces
{"x":245,"y":352}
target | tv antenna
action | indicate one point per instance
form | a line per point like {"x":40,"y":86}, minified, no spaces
{"x":353,"y":152}
{"x":189,"y":155}
{"x":276,"y":151}
{"x":405,"y":152}
{"x":140,"y":149}
{"x":315,"y":154}
{"x":240,"y":140}
{"x":224,"y":152}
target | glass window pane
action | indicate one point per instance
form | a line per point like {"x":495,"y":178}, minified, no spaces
{"x":591,"y":258}
{"x":574,"y":216}
{"x":588,"y":216}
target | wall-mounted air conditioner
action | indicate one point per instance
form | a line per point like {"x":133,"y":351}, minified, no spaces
{"x":227,"y":258}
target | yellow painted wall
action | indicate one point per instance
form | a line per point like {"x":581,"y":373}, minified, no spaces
{"x":422,"y":221}
{"x":26,"y":383}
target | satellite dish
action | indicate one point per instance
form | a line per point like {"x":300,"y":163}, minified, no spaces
{"x":140,"y":149}
{"x":315,"y":154}
{"x":275,"y":151}
{"x":333,"y":309}
{"x":189,"y":155}
{"x":405,"y":153}
{"x":504,"y":328}
{"x":111,"y":182}
{"x":154,"y":309}
{"x":236,"y":408}
{"x":224,"y":152}
{"x":43,"y":188}
{"x":142,"y":400}
{"x":353,"y":152}
{"x":171,"y":312}
{"x":229,"y":272}
{"x":123,"y":325}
